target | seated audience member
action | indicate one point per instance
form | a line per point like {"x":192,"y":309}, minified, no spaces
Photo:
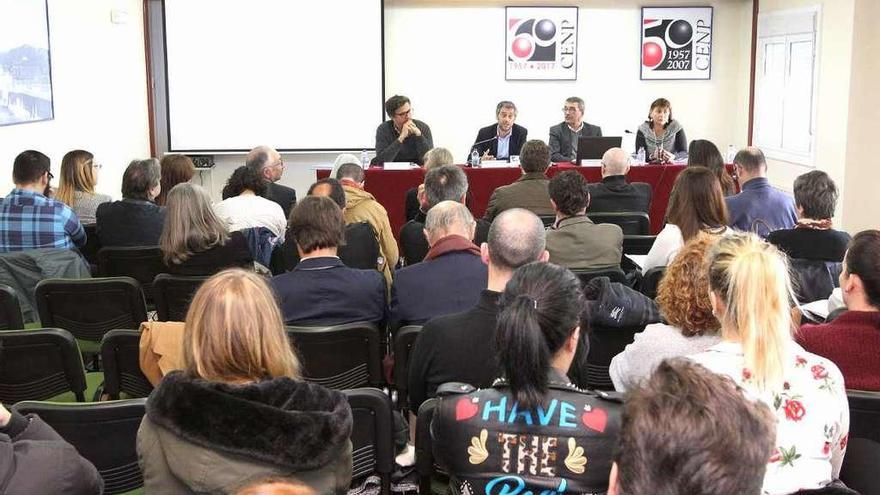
{"x":614,"y":193}
{"x":268,"y":164}
{"x":321,"y":290}
{"x":361,"y":250}
{"x":239,"y":411}
{"x":853,"y":338}
{"x":689,"y":431}
{"x":361,"y":206}
{"x":29,"y":219}
{"x":76,"y":187}
{"x":401,"y":138}
{"x":503,"y":139}
{"x":574,"y":241}
{"x":244,"y":205}
{"x":661,"y":136}
{"x":813,"y":237}
{"x":194,"y":241}
{"x":136,"y":220}
{"x":760,"y":207}
{"x":532,"y":431}
{"x":688,"y":324}
{"x":530,"y":190}
{"x":175,"y":169}
{"x":35,"y":459}
{"x":413,"y":206}
{"x":696,"y":205}
{"x":750,"y":293}
{"x":517,"y":237}
{"x":564,"y":136}
{"x":452,"y":275}
{"x":704,"y":153}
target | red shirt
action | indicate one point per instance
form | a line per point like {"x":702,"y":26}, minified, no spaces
{"x":852,"y":342}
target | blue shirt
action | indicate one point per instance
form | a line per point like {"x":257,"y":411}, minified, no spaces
{"x":504,"y":145}
{"x":29,"y":220}
{"x":761,"y":208}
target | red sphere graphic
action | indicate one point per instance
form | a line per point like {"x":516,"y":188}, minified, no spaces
{"x":522,"y":47}
{"x":652,"y":54}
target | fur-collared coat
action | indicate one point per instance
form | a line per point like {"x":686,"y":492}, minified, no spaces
{"x":209,"y":437}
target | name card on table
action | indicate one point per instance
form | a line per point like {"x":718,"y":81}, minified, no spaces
{"x":497,"y":164}
{"x":398,"y":165}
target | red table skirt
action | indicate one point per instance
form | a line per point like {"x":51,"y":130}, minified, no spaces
{"x":390,"y":186}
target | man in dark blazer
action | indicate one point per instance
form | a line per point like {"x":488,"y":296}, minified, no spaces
{"x":502,"y":140}
{"x":614,"y":194}
{"x":321,"y":290}
{"x":450,"y":278}
{"x":267,"y":162}
{"x":564,"y":136}
{"x":530,"y":190}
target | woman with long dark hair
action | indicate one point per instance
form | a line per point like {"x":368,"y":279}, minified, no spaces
{"x":704,"y":153}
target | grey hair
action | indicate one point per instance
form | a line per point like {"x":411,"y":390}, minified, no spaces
{"x":576,"y":100}
{"x":616,"y":161}
{"x":445,"y":183}
{"x":436,"y":157}
{"x":191,"y":226}
{"x":447,"y":216}
{"x":816,"y":193}
{"x":258,"y":158}
{"x":516,"y":237}
{"x":139,"y":177}
{"x":351,"y":171}
{"x":505,"y":104}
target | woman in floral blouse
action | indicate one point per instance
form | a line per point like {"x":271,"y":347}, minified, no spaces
{"x":750,"y":292}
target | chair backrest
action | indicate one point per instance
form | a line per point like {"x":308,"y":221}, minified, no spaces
{"x":372,"y":443}
{"x":814,"y":280}
{"x":39,"y":364}
{"x":547,"y":220}
{"x":89,"y":308}
{"x":631,"y":222}
{"x":105,"y":433}
{"x":141,"y":263}
{"x":120,"y":356}
{"x":10,"y":309}
{"x":615,"y":274}
{"x":93,"y":245}
{"x":651,"y":280}
{"x":424,"y":446}
{"x":404,"y":340}
{"x":341,"y":356}
{"x":173,"y":293}
{"x":361,"y":249}
{"x":638,"y":244}
{"x":605,"y":343}
{"x":864,"y":414}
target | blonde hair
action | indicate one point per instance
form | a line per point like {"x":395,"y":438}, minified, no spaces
{"x":191,"y":226}
{"x":436,"y":157}
{"x":234,"y":332}
{"x":77,"y":174}
{"x":752,"y":279}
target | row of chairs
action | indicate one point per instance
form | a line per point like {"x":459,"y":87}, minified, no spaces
{"x":630,"y":222}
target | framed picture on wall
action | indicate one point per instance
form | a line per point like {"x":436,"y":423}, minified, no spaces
{"x":541,"y":43}
{"x":25,"y":66}
{"x":676,"y":43}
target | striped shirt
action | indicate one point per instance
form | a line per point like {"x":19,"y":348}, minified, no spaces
{"x":29,"y":220}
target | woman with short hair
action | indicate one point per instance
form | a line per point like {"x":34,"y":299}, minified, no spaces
{"x":245,"y":206}
{"x":76,"y":187}
{"x":661,"y":136}
{"x":136,"y":220}
{"x":704,"y":153}
{"x":175,"y":169}
{"x":239,"y":411}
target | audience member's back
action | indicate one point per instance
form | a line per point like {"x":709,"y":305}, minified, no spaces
{"x":614,"y":193}
{"x":136,"y":220}
{"x":760,"y":207}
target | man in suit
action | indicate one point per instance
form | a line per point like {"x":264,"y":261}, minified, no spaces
{"x":530,"y":190}
{"x":321,"y":290}
{"x":450,"y":278}
{"x":401,"y":139}
{"x":500,"y":141}
{"x":574,"y":241}
{"x":564,"y":136}
{"x":267,"y":162}
{"x":759,"y":206}
{"x":614,"y":194}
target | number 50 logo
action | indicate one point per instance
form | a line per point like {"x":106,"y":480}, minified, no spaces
{"x":676,"y":43}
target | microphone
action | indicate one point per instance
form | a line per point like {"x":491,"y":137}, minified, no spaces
{"x":627,"y":131}
{"x":474,"y":146}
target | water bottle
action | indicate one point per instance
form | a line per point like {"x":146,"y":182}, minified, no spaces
{"x":475,"y":158}
{"x":365,"y":160}
{"x":731,"y":153}
{"x":640,"y":156}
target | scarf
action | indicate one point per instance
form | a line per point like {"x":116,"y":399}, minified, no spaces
{"x":652,"y":142}
{"x":809,"y":223}
{"x":450,"y":244}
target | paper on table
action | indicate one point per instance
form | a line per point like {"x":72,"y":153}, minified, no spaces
{"x":638,"y":259}
{"x":818,"y":308}
{"x":496,"y":164}
{"x":397,"y":165}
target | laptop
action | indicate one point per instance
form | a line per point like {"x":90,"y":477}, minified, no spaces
{"x":591,"y":148}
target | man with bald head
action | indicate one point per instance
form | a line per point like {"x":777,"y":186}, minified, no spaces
{"x":451,"y":276}
{"x":269,"y":165}
{"x":516,"y":238}
{"x":614,"y":193}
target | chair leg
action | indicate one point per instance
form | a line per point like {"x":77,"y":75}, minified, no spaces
{"x":386,"y":484}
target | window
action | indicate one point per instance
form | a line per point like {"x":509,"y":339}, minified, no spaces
{"x":785,"y":85}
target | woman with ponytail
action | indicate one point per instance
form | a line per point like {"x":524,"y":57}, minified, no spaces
{"x":532,"y":431}
{"x":751,"y":296}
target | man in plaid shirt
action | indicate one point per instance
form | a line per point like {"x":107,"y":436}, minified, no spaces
{"x":30,"y":220}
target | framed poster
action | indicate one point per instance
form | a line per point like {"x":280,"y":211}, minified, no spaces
{"x":676,"y":43}
{"x":25,"y":67}
{"x":541,"y":43}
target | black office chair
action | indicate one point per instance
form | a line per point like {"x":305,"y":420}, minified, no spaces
{"x":120,"y":356}
{"x":859,"y":469}
{"x":105,"y":433}
{"x":173,"y":294}
{"x":139,"y":263}
{"x":638,"y":244}
{"x":340,"y":357}
{"x":814,"y":280}
{"x":404,"y":340}
{"x":425,"y":466}
{"x":10,"y":309}
{"x":615,"y":274}
{"x":605,"y":343}
{"x":372,"y":436}
{"x":89,"y":308}
{"x":864,"y":414}
{"x":547,"y":220}
{"x":631,"y":222}
{"x":40,"y":364}
{"x":361,"y":249}
{"x":651,"y":280}
{"x":90,"y":250}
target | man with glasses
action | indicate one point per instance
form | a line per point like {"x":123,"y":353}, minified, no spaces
{"x":268,"y":164}
{"x":29,"y":219}
{"x":401,"y":139}
{"x":564,"y":136}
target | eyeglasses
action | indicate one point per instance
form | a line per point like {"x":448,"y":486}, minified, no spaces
{"x":97,"y":166}
{"x":50,"y":175}
{"x":570,"y":109}
{"x":279,"y":164}
{"x":404,"y":114}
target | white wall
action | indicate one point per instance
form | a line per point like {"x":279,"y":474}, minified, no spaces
{"x":100,"y":92}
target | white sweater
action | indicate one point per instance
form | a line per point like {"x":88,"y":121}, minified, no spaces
{"x":249,"y":211}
